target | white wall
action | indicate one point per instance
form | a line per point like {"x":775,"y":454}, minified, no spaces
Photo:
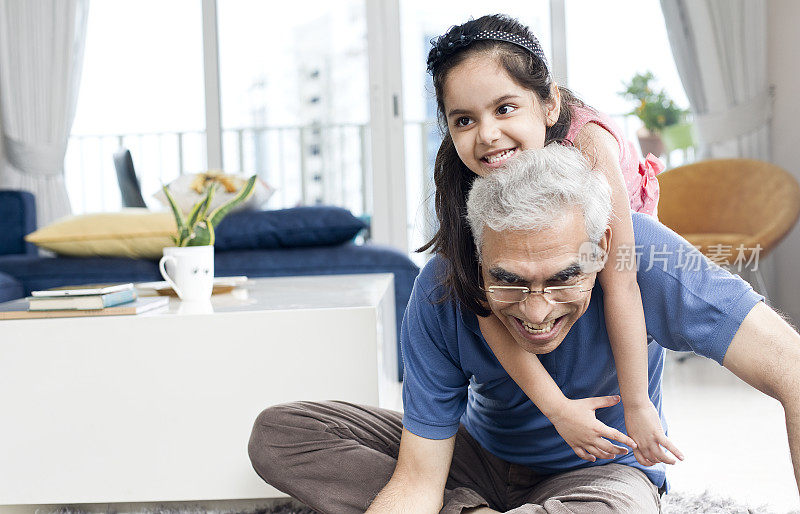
{"x":783,"y":43}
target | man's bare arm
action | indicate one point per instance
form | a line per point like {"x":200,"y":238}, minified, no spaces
{"x":765,"y":353}
{"x":417,"y":484}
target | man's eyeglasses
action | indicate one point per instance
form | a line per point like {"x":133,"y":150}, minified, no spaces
{"x":554,"y":294}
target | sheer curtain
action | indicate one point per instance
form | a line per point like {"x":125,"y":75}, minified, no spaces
{"x":41,"y":53}
{"x":720,"y":50}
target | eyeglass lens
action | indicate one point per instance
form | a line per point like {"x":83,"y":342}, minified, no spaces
{"x":555,"y":295}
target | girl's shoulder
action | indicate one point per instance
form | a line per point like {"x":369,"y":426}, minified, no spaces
{"x":582,"y":114}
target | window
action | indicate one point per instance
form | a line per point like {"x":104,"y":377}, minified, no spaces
{"x":142,"y":88}
{"x":607,"y":43}
{"x":295,"y":99}
{"x":295,"y":91}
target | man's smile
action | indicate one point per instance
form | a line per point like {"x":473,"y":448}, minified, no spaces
{"x":538,"y":328}
{"x":539,"y":332}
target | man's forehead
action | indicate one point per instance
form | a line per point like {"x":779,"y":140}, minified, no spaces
{"x":535,"y":254}
{"x":529,"y":246}
{"x":530,"y":265}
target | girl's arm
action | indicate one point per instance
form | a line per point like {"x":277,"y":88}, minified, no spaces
{"x":623,"y":305}
{"x":574,"y":420}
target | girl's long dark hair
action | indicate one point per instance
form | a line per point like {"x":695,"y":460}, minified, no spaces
{"x":453,"y":239}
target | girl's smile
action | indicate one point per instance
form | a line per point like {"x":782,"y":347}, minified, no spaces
{"x":490,"y":116}
{"x":497,"y":158}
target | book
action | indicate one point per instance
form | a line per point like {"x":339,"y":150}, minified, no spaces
{"x":18,"y":309}
{"x":80,"y":302}
{"x":88,"y":290}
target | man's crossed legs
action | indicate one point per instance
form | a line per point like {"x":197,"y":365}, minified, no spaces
{"x":336,"y":457}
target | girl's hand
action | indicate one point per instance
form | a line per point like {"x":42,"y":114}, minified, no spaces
{"x":644,"y":426}
{"x":585,"y":434}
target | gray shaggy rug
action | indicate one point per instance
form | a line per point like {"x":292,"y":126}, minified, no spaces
{"x":708,"y":503}
{"x":673,"y":503}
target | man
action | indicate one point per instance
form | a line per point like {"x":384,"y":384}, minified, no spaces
{"x":471,"y":440}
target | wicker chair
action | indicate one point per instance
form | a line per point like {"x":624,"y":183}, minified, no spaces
{"x":730,"y":204}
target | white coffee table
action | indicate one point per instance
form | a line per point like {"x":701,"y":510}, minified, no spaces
{"x":159,"y":406}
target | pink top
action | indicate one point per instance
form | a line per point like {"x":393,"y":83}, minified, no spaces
{"x":640,"y":177}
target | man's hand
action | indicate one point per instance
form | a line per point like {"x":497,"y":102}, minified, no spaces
{"x":644,"y":426}
{"x":585,"y":434}
{"x":417,"y":484}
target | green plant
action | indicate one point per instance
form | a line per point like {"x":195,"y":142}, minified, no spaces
{"x":655,"y":108}
{"x":197,"y":229}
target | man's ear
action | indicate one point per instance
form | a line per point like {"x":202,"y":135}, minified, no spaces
{"x":593,"y":257}
{"x":552,"y":108}
{"x":605,"y":241}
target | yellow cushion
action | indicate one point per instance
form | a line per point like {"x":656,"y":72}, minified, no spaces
{"x":136,"y":233}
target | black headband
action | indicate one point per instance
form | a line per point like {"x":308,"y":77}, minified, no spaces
{"x":447,"y":44}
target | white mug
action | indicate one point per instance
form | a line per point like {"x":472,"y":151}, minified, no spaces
{"x":189,"y":270}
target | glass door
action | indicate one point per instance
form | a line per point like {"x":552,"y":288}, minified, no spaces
{"x":295,"y":98}
{"x":142,"y":89}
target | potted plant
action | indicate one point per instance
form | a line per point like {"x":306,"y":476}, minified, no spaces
{"x":655,"y":109}
{"x":189,"y":265}
{"x":197,"y":229}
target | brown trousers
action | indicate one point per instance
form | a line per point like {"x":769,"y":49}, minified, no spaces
{"x":335,"y":457}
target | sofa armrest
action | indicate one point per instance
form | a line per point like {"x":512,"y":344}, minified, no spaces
{"x":17,"y":219}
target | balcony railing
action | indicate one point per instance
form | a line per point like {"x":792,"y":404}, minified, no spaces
{"x":158,"y":157}
{"x":306,"y":164}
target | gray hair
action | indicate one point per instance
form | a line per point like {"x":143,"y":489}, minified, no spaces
{"x":535,"y":190}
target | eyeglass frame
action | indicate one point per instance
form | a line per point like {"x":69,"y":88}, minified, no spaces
{"x":528,"y":291}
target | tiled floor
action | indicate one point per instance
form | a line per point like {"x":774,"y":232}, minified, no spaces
{"x":733,"y":436}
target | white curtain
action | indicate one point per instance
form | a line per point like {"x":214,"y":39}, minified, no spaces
{"x":720,"y":50}
{"x":41,"y":54}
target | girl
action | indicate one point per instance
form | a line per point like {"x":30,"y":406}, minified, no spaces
{"x":496,"y":96}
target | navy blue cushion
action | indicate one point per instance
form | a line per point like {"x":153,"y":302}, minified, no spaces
{"x":287,"y":228}
{"x":10,"y":289}
{"x":18,"y":215}
{"x":37,"y":272}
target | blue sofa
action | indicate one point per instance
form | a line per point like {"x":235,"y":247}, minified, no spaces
{"x":281,"y":250}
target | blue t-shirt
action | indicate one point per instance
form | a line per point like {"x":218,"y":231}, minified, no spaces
{"x":452,"y":376}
